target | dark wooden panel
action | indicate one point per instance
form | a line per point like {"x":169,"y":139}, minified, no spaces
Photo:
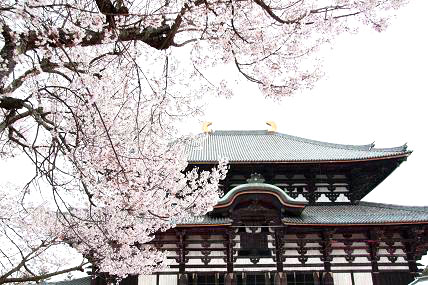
{"x":395,"y":278}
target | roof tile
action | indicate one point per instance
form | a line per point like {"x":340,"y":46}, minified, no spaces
{"x":265,"y":146}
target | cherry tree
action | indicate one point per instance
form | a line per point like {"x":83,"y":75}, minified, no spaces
{"x":91,"y":90}
{"x":33,"y":251}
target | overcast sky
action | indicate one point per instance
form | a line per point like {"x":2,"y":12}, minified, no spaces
{"x":375,"y":89}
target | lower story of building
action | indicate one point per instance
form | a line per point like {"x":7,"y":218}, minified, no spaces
{"x":271,"y":278}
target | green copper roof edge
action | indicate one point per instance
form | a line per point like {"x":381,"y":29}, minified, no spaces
{"x":258,"y":186}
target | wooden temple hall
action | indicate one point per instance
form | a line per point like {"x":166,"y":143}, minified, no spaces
{"x":292,"y":213}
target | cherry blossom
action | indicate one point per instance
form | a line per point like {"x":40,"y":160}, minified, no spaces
{"x":91,"y":91}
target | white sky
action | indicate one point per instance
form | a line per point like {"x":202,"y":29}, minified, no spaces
{"x":375,"y":89}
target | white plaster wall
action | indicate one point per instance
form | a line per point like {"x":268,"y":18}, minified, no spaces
{"x":340,"y":260}
{"x":313,"y":251}
{"x":246,"y":261}
{"x":291,"y":252}
{"x":393,"y":267}
{"x":363,"y":278}
{"x":291,"y":260}
{"x":337,"y":251}
{"x":304,"y":268}
{"x":146,"y":279}
{"x":383,"y":251}
{"x":369,"y":268}
{"x":169,"y":270}
{"x":209,"y":269}
{"x":384,"y":259}
{"x":323,"y":198}
{"x":313,"y":260}
{"x":399,"y":251}
{"x":300,"y":198}
{"x":360,"y":251}
{"x":167,"y":280}
{"x":342,"y":278}
{"x":361,"y":259}
{"x":249,"y":269}
{"x":400,"y":259}
{"x":342,"y":198}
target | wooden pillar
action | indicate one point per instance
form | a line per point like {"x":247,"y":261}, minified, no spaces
{"x":280,"y":278}
{"x":410,"y":244}
{"x":230,"y":277}
{"x":326,"y":249}
{"x":183,"y":280}
{"x":311,"y":188}
{"x":229,"y":244}
{"x":373,"y":248}
{"x":279,"y":248}
{"x":316,"y":276}
{"x":267,"y":279}
{"x":181,"y":251}
{"x":327,"y":278}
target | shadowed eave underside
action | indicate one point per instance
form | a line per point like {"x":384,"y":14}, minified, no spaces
{"x":272,"y":147}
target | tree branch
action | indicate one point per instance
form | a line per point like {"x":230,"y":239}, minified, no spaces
{"x":43,"y":276}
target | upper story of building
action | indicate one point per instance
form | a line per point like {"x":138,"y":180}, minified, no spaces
{"x":306,"y":170}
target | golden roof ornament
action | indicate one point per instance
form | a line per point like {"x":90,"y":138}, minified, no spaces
{"x":205,"y":127}
{"x":272,"y":125}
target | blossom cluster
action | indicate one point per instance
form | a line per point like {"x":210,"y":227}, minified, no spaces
{"x":95,"y":90}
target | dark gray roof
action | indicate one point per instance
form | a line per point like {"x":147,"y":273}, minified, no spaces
{"x":79,"y":281}
{"x":362,"y":213}
{"x":205,"y":220}
{"x":344,"y":214}
{"x":265,"y":146}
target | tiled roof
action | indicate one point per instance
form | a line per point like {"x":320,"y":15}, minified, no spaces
{"x":343,"y":214}
{"x":264,"y":146}
{"x":361,"y":213}
{"x":205,"y":220}
{"x":79,"y":281}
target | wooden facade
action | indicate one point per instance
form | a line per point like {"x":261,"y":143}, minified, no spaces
{"x":297,"y":223}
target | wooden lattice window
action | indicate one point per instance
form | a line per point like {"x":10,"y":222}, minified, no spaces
{"x":254,"y":244}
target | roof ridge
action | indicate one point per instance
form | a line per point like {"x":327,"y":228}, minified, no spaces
{"x":358,"y":147}
{"x":249,"y":146}
{"x":394,"y":206}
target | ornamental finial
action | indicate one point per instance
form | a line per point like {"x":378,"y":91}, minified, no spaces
{"x":272,"y":126}
{"x":205,"y":126}
{"x":255,"y":178}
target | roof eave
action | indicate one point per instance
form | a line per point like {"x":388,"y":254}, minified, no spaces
{"x":406,"y":154}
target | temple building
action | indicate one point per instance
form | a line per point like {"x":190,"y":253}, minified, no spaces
{"x":292,"y":214}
